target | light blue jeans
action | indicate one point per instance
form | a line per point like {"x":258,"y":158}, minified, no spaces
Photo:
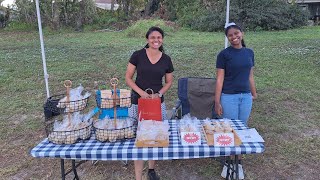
{"x":236,"y":106}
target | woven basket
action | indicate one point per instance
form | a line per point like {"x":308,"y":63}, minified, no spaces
{"x":67,"y":137}
{"x":53,"y":105}
{"x":113,"y":135}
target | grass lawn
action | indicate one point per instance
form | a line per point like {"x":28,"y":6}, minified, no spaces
{"x":286,"y":112}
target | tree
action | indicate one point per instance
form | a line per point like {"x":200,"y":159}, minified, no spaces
{"x":209,"y":15}
{"x":57,"y":13}
{"x":151,"y":7}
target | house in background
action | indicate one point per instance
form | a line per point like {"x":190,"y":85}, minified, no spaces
{"x":107,"y":4}
{"x":313,"y":6}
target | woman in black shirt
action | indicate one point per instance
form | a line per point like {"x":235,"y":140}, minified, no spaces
{"x":151,"y":65}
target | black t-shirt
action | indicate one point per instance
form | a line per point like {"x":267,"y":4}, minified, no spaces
{"x":149,"y":75}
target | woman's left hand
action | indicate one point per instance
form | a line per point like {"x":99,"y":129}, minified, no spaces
{"x":254,"y":97}
{"x":156,"y":95}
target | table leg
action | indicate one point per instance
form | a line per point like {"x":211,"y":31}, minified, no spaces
{"x":74,"y":169}
{"x":63,"y":174}
{"x":125,"y":162}
{"x":236,"y":161}
{"x":233,"y":167}
{"x":229,"y":163}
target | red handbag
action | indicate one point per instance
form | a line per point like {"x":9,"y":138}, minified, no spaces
{"x":149,"y":108}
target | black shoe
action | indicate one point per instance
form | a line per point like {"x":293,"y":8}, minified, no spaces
{"x":153,"y":175}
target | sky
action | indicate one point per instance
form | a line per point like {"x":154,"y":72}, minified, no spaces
{"x":7,"y":2}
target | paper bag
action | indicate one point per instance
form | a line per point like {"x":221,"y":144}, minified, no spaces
{"x":149,"y":109}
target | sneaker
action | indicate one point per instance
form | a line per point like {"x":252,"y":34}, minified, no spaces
{"x":225,"y":169}
{"x":153,"y":175}
{"x":241,"y":174}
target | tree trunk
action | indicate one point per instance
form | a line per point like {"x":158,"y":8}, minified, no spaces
{"x":79,"y":19}
{"x":55,"y":16}
{"x":65,"y":7}
{"x":112,"y":5}
{"x":151,"y":7}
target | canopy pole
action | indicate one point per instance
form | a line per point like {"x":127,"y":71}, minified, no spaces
{"x":227,"y":22}
{"x":46,"y":76}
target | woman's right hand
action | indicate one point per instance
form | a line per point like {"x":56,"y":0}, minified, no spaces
{"x":144,"y":95}
{"x":218,"y":109}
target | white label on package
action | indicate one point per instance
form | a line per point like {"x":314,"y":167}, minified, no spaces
{"x":223,"y":139}
{"x":191,"y":138}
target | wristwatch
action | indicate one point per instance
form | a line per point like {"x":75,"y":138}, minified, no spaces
{"x":160,"y":94}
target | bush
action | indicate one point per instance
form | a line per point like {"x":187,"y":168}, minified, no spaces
{"x":140,"y":28}
{"x":267,"y":14}
{"x":20,"y":26}
{"x":209,"y":22}
{"x":209,"y":15}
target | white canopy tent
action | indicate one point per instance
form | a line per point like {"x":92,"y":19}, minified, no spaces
{"x":227,"y":22}
{"x":46,"y":75}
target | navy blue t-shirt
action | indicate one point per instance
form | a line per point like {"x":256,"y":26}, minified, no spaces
{"x":237,"y":64}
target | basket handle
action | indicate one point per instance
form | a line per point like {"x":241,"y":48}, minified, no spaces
{"x":114,"y":81}
{"x":67,"y":83}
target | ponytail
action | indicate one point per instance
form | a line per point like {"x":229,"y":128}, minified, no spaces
{"x":242,"y":43}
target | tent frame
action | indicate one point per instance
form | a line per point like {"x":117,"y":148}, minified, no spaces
{"x":43,"y":55}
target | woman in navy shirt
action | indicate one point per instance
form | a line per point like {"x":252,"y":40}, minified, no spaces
{"x":235,"y":87}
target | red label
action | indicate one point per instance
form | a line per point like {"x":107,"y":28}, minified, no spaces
{"x":191,"y":138}
{"x":224,"y":140}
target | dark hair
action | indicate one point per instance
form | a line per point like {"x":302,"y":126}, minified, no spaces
{"x":154,"y":28}
{"x":235,"y":27}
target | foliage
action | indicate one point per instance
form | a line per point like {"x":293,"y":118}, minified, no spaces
{"x":130,"y":9}
{"x":105,"y":18}
{"x":140,"y":28}
{"x":57,"y":13}
{"x":202,"y":15}
{"x":4,"y":17}
{"x":20,"y":26}
{"x":151,"y":7}
{"x":209,"y":15}
{"x":267,"y":14}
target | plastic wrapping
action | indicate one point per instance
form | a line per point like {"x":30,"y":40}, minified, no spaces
{"x":65,"y":131}
{"x":77,"y":101}
{"x":153,"y":130}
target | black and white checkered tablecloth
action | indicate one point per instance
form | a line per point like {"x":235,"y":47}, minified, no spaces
{"x":95,"y":150}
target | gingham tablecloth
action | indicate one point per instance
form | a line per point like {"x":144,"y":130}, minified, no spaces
{"x":95,"y":150}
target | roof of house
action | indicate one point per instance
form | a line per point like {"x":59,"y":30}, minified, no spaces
{"x":106,"y":4}
{"x":104,"y":1}
{"x":307,"y":1}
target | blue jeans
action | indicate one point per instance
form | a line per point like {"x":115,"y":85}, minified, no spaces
{"x":236,"y":106}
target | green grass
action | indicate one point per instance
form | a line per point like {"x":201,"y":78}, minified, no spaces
{"x":287,"y":72}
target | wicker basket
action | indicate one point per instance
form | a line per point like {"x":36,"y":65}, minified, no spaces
{"x":67,"y":137}
{"x":113,"y":135}
{"x":105,"y":103}
{"x":53,"y":105}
